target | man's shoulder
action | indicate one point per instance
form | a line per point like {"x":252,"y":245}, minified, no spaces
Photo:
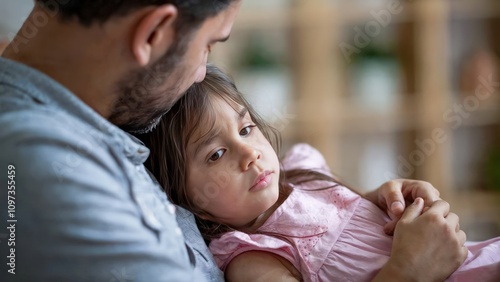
{"x":38,"y":129}
{"x":204,"y":259}
{"x":42,"y":141}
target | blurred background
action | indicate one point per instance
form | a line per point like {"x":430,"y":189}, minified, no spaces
{"x":383,"y":88}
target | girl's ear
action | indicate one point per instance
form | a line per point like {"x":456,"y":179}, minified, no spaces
{"x":154,"y":34}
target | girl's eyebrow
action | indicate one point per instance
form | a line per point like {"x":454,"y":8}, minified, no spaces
{"x":209,"y":137}
{"x":206,"y":140}
{"x":242,"y":113}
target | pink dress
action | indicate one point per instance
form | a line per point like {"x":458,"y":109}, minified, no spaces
{"x":336,"y":235}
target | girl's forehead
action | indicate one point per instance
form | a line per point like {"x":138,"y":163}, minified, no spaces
{"x":222,"y":102}
{"x":218,"y":109}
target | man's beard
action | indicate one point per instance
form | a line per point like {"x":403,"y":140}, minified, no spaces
{"x":144,"y":94}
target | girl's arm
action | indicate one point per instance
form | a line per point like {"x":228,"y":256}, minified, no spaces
{"x":261,"y":266}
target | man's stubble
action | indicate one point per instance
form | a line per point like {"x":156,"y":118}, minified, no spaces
{"x":146,"y":95}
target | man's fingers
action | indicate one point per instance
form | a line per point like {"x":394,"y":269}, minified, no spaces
{"x":390,"y":226}
{"x":413,"y":211}
{"x":422,"y":189}
{"x":462,"y":237}
{"x":464,"y":251}
{"x":453,"y":221}
{"x":440,"y":207}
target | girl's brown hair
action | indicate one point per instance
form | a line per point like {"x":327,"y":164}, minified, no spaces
{"x":168,"y":143}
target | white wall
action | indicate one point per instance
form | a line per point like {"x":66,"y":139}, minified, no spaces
{"x":12,"y":15}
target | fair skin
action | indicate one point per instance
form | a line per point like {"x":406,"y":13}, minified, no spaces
{"x":241,"y":155}
{"x":224,"y":166}
{"x":92,"y":62}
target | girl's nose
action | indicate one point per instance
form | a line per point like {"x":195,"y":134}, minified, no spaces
{"x":249,"y":155}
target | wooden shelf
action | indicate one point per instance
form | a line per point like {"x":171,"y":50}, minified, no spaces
{"x":403,"y":116}
{"x":343,"y":13}
{"x":324,"y":114}
{"x":479,"y":213}
{"x":349,"y":13}
{"x":363,"y":120}
{"x":355,"y":13}
{"x":487,"y":112}
{"x":479,"y":9}
{"x":479,"y":200}
{"x":262,"y":19}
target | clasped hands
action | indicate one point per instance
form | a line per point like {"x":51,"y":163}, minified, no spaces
{"x":427,"y":236}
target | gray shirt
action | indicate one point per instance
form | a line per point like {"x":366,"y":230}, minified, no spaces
{"x":83,"y":207}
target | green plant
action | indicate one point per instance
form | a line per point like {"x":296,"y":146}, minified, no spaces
{"x":257,"y":55}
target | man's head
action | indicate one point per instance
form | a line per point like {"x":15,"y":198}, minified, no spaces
{"x":164,"y":81}
{"x":164,"y":45}
{"x":3,"y":44}
{"x":190,"y":12}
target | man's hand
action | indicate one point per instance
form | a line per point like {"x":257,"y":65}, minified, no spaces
{"x":395,"y":195}
{"x":427,"y":246}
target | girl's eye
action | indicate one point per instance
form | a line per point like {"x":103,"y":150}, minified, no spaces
{"x":217,"y":155}
{"x":246,"y":130}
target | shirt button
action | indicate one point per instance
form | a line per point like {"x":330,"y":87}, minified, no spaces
{"x":171,"y":208}
{"x":178,"y":231}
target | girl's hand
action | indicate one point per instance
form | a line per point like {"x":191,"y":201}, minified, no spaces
{"x":395,"y":195}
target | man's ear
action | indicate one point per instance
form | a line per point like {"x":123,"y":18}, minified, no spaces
{"x":154,"y":34}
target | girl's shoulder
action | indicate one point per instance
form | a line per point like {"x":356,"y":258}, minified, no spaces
{"x":304,"y":156}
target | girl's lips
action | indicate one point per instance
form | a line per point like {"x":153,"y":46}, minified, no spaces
{"x":262,"y":181}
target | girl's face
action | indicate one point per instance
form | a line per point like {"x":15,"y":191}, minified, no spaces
{"x":233,"y":171}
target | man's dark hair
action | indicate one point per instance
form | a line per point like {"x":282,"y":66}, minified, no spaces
{"x":191,"y":12}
